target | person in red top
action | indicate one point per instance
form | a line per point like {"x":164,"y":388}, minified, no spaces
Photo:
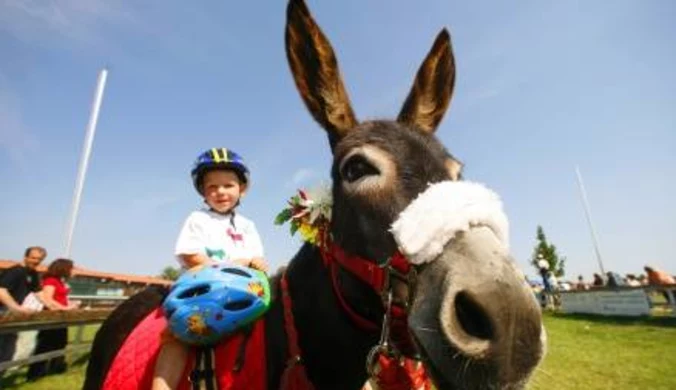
{"x":54,"y":295}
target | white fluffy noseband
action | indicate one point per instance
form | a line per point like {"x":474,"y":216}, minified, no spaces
{"x":443,"y":210}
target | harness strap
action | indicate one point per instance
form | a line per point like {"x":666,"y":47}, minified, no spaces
{"x":209,"y":377}
{"x":294,"y":376}
{"x":362,"y":322}
{"x":289,"y":326}
{"x":196,"y":374}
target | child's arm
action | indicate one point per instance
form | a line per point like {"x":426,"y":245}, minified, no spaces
{"x":190,"y":243}
{"x":194,"y":260}
{"x":258,"y":263}
{"x":255,"y":250}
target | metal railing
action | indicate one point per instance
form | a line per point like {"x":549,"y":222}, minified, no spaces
{"x":96,"y":301}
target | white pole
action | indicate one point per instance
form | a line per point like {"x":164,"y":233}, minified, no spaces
{"x":589,"y":220}
{"x":84,"y":158}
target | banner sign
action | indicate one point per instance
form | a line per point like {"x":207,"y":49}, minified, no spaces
{"x":620,"y":302}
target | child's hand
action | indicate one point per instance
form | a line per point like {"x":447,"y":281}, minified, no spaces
{"x":259,"y":264}
{"x":195,"y":261}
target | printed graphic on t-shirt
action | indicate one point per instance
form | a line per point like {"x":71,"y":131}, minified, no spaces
{"x":215,"y":254}
{"x":237,"y":238}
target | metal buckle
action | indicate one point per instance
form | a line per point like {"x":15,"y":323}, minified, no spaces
{"x":409,"y":279}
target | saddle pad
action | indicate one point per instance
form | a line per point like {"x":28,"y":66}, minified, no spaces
{"x":134,"y":363}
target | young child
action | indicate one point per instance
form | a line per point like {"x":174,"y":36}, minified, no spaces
{"x":214,"y":234}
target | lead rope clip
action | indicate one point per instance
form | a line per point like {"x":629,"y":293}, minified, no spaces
{"x":383,"y":347}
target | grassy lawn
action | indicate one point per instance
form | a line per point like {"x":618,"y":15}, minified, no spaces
{"x":71,"y":380}
{"x":587,"y":352}
{"x":584,"y":352}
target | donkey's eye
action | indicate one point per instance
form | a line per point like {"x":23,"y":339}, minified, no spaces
{"x":356,"y":168}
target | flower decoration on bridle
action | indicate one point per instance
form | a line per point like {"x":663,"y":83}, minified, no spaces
{"x":308,"y":213}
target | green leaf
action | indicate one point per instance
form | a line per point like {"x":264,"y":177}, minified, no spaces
{"x":282,"y":217}
{"x":294,"y":228}
{"x":549,"y":253}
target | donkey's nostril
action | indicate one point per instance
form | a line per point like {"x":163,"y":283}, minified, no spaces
{"x":472,"y":317}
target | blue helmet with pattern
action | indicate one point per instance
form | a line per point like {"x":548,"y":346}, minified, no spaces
{"x":206,"y":304}
{"x":218,"y":158}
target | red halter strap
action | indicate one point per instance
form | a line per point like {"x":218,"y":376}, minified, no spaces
{"x":375,"y":276}
{"x":367,"y":271}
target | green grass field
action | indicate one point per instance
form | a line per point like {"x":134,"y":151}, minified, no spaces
{"x":588,"y":352}
{"x":584,"y":352}
{"x":71,"y":380}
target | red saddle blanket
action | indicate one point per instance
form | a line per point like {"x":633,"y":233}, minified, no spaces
{"x":134,"y":363}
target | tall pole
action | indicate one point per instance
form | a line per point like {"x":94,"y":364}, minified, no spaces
{"x":84,"y":158}
{"x":587,"y":213}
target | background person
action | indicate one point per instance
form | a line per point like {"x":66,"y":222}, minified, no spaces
{"x":15,"y":285}
{"x":54,"y":295}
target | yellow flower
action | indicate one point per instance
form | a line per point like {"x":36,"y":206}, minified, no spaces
{"x":309,"y":233}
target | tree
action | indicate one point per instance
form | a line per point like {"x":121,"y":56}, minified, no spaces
{"x":547,"y":251}
{"x":170,"y":273}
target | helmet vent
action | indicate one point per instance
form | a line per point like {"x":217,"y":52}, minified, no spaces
{"x":236,"y":271}
{"x":238,"y":305}
{"x":194,"y":291}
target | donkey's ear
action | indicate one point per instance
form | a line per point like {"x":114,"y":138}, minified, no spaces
{"x":432,"y":89}
{"x":315,"y":71}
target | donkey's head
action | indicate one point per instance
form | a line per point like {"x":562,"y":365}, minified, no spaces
{"x":474,"y":321}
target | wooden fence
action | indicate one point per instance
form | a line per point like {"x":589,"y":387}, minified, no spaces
{"x":14,"y":323}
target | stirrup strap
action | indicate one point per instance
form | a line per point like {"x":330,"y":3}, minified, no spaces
{"x":202,"y":376}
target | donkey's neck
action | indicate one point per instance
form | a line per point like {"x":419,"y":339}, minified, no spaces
{"x":333,"y":349}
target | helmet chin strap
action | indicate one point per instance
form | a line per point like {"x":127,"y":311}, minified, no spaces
{"x":224,"y":213}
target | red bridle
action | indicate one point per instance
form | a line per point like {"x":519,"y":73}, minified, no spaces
{"x":379,"y":278}
{"x":387,"y":363}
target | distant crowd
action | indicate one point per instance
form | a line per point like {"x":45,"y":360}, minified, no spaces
{"x":550,"y":284}
{"x":651,"y":277}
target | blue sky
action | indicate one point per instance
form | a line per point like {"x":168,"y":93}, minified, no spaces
{"x":541,"y":86}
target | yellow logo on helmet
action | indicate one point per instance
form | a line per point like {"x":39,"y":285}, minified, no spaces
{"x":219,"y":157}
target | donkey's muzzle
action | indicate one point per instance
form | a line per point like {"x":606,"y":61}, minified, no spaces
{"x":490,"y":325}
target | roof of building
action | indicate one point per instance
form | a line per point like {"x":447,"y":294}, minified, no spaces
{"x":79,"y":271}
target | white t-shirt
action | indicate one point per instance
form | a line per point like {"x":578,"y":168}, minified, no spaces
{"x":223,"y":238}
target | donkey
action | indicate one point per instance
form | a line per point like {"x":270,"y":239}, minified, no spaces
{"x":470,"y":317}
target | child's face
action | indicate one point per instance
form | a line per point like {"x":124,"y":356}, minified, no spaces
{"x":222,"y":190}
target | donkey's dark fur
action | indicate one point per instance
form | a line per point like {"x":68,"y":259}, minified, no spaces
{"x":379,"y":167}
